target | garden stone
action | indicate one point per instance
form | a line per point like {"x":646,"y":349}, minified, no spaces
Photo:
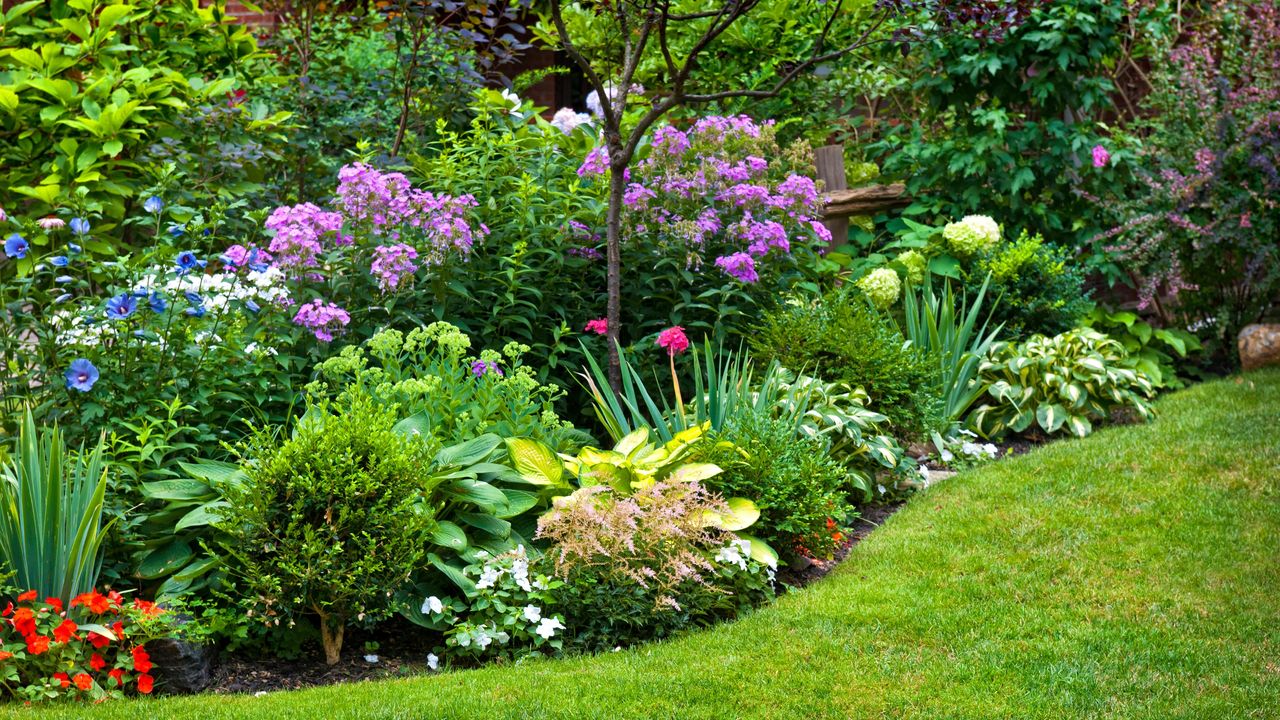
{"x":1259,"y":346}
{"x":183,"y":667}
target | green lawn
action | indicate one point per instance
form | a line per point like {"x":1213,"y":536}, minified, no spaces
{"x":1134,"y":574}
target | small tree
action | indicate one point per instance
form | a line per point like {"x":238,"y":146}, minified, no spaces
{"x":611,"y":40}
{"x":331,"y":521}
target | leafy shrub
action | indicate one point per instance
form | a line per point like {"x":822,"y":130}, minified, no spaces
{"x":645,"y":566}
{"x":840,"y":337}
{"x":1066,"y":382}
{"x":445,"y":392}
{"x":88,"y":649}
{"x":505,"y":613}
{"x":330,"y":521}
{"x":1007,"y":122}
{"x":1037,"y":289}
{"x":1156,"y":351}
{"x":88,"y":86}
{"x":797,"y":486}
{"x":153,"y":327}
{"x":51,"y":514}
{"x":1195,"y":231}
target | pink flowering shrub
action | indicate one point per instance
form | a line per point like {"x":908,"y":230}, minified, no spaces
{"x":645,"y":565}
{"x":1196,"y":231}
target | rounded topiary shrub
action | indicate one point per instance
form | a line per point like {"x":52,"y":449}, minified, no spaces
{"x":330,"y":523}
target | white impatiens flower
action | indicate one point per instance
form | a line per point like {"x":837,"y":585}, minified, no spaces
{"x":483,"y":639}
{"x":432,"y":605}
{"x":734,"y":553}
{"x":990,"y":450}
{"x":488,"y":577}
{"x":513,"y":100}
{"x":924,"y":475}
{"x":532,"y":613}
{"x":433,"y":662}
{"x":548,"y":627}
{"x":371,"y":658}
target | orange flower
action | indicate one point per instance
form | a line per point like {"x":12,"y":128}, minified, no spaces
{"x":56,"y":603}
{"x":99,"y":641}
{"x":149,"y":609}
{"x":95,"y":602}
{"x":24,"y":621}
{"x":5,"y":654}
{"x":118,"y":676}
{"x":83,"y":681}
{"x":7,"y":610}
{"x":37,"y":644}
{"x":141,"y":660}
{"x":65,"y":631}
{"x":116,"y":598}
{"x":28,"y":596}
{"x":62,"y":679}
{"x":145,"y":683}
{"x":97,"y":662}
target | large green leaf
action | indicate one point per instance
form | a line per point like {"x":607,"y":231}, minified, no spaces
{"x":179,"y":489}
{"x":535,"y":462}
{"x":449,"y":535}
{"x":207,"y":514}
{"x":518,"y":502}
{"x":164,"y":560}
{"x":488,"y":523}
{"x":741,"y":515}
{"x":470,"y":452}
{"x":478,"y":492}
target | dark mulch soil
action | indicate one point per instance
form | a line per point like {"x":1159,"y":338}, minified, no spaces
{"x":871,"y":518}
{"x":402,"y":651}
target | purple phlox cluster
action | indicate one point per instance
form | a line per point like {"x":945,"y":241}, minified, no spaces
{"x":299,"y":234}
{"x":721,"y":126}
{"x":637,"y":196}
{"x":741,"y":266}
{"x":595,"y":163}
{"x":238,"y":257}
{"x":670,"y":140}
{"x":392,"y":264}
{"x":761,"y":237}
{"x":746,"y":195}
{"x":322,"y":318}
{"x":800,"y":191}
{"x":480,"y":368}
{"x":566,"y":120}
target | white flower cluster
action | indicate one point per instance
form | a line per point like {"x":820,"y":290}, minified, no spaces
{"x":219,"y":290}
{"x":969,"y":449}
{"x":735,"y":553}
{"x":79,"y":330}
{"x":491,"y":573}
{"x":482,"y":636}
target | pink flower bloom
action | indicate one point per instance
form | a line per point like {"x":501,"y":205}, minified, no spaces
{"x":323,"y":318}
{"x":1100,"y":156}
{"x":599,"y":326}
{"x":393,"y":264}
{"x":673,"y":340}
{"x":51,"y":223}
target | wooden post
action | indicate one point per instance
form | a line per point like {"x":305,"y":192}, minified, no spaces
{"x":829,"y":160}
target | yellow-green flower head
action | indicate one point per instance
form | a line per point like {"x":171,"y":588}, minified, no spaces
{"x":972,"y":235}
{"x":882,"y":286}
{"x":915,"y":264}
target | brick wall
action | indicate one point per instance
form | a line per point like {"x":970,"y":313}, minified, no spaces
{"x":238,"y":11}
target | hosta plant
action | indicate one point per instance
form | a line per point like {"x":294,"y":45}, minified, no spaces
{"x":1056,"y":384}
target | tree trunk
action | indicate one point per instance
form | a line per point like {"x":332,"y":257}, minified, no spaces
{"x":331,"y":636}
{"x":613,"y":229}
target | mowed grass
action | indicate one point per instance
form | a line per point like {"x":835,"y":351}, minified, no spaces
{"x":1133,"y":574}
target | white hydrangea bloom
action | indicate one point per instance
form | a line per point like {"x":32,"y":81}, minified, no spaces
{"x":432,"y":605}
{"x":566,"y":120}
